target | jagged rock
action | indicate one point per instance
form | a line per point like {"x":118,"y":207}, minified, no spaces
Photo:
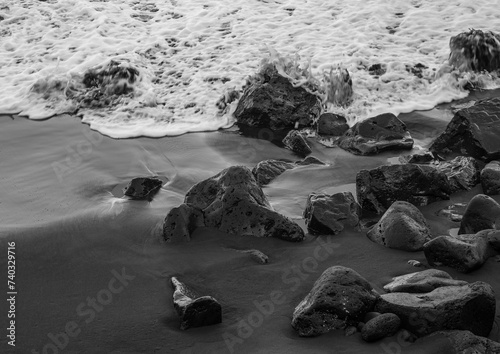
{"x":376,"y":134}
{"x":402,"y":227}
{"x":273,"y":102}
{"x":463,"y":252}
{"x":419,"y":185}
{"x":473,"y":131}
{"x":462,"y":172}
{"x":267,"y":170}
{"x":296,"y":142}
{"x":490,"y":178}
{"x":309,"y":160}
{"x":422,"y":282}
{"x":181,"y":222}
{"x":425,"y":158}
{"x":195,"y":311}
{"x":143,"y":188}
{"x":331,"y":124}
{"x":482,"y":213}
{"x":330,"y":214}
{"x":379,"y":327}
{"x":233,"y":202}
{"x":475,"y":50}
{"x":465,"y":342}
{"x":468,"y":307}
{"x":338,"y":299}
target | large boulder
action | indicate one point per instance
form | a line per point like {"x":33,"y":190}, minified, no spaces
{"x":330,"y":214}
{"x":331,"y":124}
{"x":422,"y":282}
{"x":143,"y":188}
{"x":377,"y":134}
{"x":462,"y":172}
{"x":193,"y":310}
{"x":465,"y":342}
{"x":384,"y":325}
{"x":338,"y":299}
{"x":296,"y":142}
{"x":463,"y":252}
{"x":490,"y":178}
{"x":233,"y":202}
{"x":419,"y":185}
{"x":468,"y":307}
{"x":473,"y":131}
{"x":482,"y":213}
{"x":267,"y":170}
{"x":273,"y":102}
{"x":475,"y":50}
{"x":402,"y":227}
{"x":181,"y":222}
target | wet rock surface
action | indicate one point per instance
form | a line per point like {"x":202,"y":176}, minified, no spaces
{"x":422,"y":282}
{"x":465,"y":342}
{"x":143,"y":188}
{"x":296,"y":142}
{"x":181,"y":222}
{"x":384,"y":325}
{"x":331,"y":124}
{"x":482,"y":213}
{"x":490,"y":178}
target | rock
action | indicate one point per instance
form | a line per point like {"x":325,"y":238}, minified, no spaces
{"x":330,"y":214}
{"x":493,"y":237}
{"x":422,"y":282}
{"x":425,"y":158}
{"x":273,"y":102}
{"x":331,"y":124}
{"x":257,"y":255}
{"x":234,"y":203}
{"x":296,"y":142}
{"x":473,"y":131}
{"x":463,"y":252}
{"x":338,"y":299}
{"x":143,"y":188}
{"x":402,"y":227}
{"x":482,"y":213}
{"x":267,"y":170}
{"x":475,"y":50}
{"x":465,"y":342}
{"x":462,"y":172}
{"x":181,"y":222}
{"x":377,"y":69}
{"x":309,"y":160}
{"x":371,"y":315}
{"x":349,"y":331}
{"x":195,"y":311}
{"x":454,"y":212}
{"x":490,"y":178}
{"x":415,"y":263}
{"x":468,"y":307}
{"x":380,"y":327}
{"x":374,"y":135}
{"x":406,"y":336}
{"x":419,"y":185}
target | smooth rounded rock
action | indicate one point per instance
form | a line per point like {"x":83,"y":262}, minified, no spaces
{"x":490,"y":178}
{"x":382,"y":326}
{"x":482,"y":213}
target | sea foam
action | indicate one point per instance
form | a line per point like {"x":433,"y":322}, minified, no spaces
{"x":188,"y":53}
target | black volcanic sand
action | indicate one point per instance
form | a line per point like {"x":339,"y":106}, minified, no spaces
{"x":58,"y":188}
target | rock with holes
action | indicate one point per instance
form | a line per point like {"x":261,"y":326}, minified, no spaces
{"x":331,"y":124}
{"x":143,"y":188}
{"x":194,"y":311}
{"x":384,"y":325}
{"x":490,"y":178}
{"x":465,"y":342}
{"x":482,"y":213}
{"x":468,"y":307}
{"x":233,"y":202}
{"x":473,"y":131}
{"x":374,"y":135}
{"x":422,"y":282}
{"x":181,"y":222}
{"x":339,"y":298}
{"x":267,"y":170}
{"x":402,"y":227}
{"x":296,"y":142}
{"x":330,"y":214}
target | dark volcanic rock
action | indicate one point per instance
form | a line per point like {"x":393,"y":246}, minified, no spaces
{"x":143,"y":188}
{"x":233,"y":202}
{"x":462,"y":172}
{"x":338,"y":299}
{"x":330,"y":214}
{"x":377,"y":189}
{"x":377,"y":134}
{"x":475,"y":51}
{"x":424,"y":158}
{"x":468,"y":307}
{"x":422,"y":282}
{"x":181,"y":222}
{"x":331,"y":124}
{"x":380,"y":327}
{"x":473,"y":131}
{"x":296,"y":142}
{"x":266,"y":171}
{"x":465,"y":342}
{"x":309,"y":160}
{"x":195,"y":311}
{"x":402,"y":227}
{"x":490,"y":178}
{"x":273,"y":102}
{"x":482,"y":213}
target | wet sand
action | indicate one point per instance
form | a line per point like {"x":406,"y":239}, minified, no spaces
{"x":59,"y":184}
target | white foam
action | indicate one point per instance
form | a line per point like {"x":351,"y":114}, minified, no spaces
{"x":188,"y":52}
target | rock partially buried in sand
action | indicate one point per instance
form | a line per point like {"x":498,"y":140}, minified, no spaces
{"x":402,"y":227}
{"x":380,"y":327}
{"x":468,"y":307}
{"x":330,"y":214}
{"x":422,"y":282}
{"x":490,"y":178}
{"x":473,"y":131}
{"x":374,"y":135}
{"x":482,"y":213}
{"x":267,"y":170}
{"x":331,"y":124}
{"x":256,"y":255}
{"x":338,"y":299}
{"x":465,"y":342}
{"x":419,"y":185}
{"x":195,"y":311}
{"x":233,"y":202}
{"x":296,"y":142}
{"x":181,"y":222}
{"x":475,"y":51}
{"x":143,"y":188}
